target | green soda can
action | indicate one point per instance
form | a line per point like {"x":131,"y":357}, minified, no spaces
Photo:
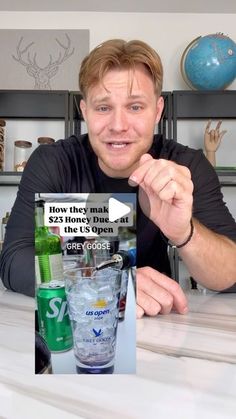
{"x":53,"y":317}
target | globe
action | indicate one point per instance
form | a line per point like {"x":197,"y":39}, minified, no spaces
{"x":209,"y":62}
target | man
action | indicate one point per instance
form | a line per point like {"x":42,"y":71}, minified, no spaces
{"x":179,"y":193}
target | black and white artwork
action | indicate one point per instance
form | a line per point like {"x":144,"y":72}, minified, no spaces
{"x":42,"y":59}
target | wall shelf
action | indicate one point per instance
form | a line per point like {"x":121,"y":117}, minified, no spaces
{"x":227,"y":176}
{"x":10,"y":178}
{"x":35,"y":104}
{"x":205,"y":104}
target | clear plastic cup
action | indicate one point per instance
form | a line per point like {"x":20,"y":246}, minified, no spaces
{"x":93,"y":304}
{"x":96,"y":258}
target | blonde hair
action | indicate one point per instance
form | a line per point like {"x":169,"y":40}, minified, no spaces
{"x":117,"y":53}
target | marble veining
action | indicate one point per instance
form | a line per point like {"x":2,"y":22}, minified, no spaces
{"x":205,"y":333}
{"x":186,"y":368}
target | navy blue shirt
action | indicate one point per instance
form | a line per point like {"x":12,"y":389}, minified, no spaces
{"x":70,"y":166}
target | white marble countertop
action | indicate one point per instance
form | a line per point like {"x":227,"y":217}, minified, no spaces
{"x":186,"y":368}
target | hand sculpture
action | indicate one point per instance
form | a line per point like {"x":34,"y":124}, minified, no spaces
{"x":212,"y":139}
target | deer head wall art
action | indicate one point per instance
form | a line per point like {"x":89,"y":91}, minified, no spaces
{"x":42,"y":74}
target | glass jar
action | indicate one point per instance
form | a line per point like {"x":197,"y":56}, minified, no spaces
{"x":46,"y":140}
{"x":22,"y":152}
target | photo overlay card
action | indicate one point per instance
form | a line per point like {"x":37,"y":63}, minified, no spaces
{"x":85,"y":266}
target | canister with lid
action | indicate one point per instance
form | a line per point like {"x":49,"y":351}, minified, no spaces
{"x":46,"y":140}
{"x":22,"y":152}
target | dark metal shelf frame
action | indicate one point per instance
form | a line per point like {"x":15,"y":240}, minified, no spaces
{"x":35,"y":104}
{"x":207,"y":104}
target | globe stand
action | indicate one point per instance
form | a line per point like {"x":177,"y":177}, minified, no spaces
{"x":182,"y":63}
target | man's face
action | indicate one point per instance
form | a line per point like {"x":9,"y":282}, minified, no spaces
{"x":121,"y":122}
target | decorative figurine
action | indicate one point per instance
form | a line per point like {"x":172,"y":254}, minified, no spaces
{"x":212,"y":139}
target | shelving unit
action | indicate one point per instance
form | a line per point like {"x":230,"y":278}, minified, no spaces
{"x":179,"y":105}
{"x":207,"y":104}
{"x":35,"y":104}
{"x":188,"y":104}
{"x":32,"y":105}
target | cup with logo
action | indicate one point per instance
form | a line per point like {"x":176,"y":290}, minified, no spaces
{"x":93,"y":304}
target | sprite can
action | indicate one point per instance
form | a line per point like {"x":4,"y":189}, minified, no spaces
{"x":53,"y":317}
